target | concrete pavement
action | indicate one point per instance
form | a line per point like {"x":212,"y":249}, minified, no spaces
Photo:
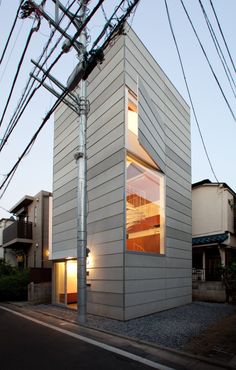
{"x":151,"y":352}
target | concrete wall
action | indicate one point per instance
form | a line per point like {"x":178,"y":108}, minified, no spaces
{"x":209,"y":291}
{"x":212,"y":213}
{"x":40,"y":293}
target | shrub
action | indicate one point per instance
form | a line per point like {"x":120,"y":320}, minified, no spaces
{"x":6,"y":269}
{"x":229,"y":279}
{"x":13,"y":287}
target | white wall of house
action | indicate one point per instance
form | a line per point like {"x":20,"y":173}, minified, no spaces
{"x":124,"y":284}
{"x":212,"y":213}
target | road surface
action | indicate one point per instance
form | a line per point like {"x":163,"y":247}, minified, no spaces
{"x":26,"y":345}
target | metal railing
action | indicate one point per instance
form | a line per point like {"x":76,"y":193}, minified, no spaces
{"x":17,"y":230}
{"x":206,"y":274}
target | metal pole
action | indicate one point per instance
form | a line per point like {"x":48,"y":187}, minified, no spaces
{"x":80,"y":157}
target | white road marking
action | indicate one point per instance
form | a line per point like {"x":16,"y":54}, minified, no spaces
{"x":107,"y":347}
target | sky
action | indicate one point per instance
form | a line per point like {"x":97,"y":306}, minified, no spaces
{"x":150,"y":23}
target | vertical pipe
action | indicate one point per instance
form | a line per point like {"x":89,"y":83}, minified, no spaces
{"x":82,"y":189}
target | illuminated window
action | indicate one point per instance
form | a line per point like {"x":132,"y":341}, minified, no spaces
{"x":144,"y":208}
{"x":132,"y":117}
{"x":132,"y":142}
{"x":145,"y":191}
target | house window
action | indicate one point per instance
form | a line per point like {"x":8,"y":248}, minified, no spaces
{"x":145,"y":192}
{"x":132,"y":115}
{"x":144,"y":208}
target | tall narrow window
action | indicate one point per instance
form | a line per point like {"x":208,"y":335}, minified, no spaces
{"x":145,"y":192}
{"x":144,"y":208}
{"x":132,"y":117}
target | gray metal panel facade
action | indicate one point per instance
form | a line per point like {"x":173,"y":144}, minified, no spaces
{"x":106,"y":168}
{"x":124,"y":285}
{"x":157,"y":282}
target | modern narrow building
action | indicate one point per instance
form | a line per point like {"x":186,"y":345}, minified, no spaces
{"x":27,"y":236}
{"x":139,"y":189}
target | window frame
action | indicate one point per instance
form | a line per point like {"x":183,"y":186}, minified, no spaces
{"x":130,"y":96}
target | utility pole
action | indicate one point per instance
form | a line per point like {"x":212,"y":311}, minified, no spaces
{"x":81,"y":160}
{"x":87,"y":62}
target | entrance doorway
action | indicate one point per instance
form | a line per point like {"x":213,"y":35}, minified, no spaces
{"x":65,"y":277}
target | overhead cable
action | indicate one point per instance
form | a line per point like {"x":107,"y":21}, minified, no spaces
{"x":208,"y":61}
{"x":33,"y":29}
{"x":10,"y":34}
{"x":222,"y":34}
{"x":28,"y":95}
{"x":219,"y":50}
{"x":46,"y":118}
{"x":188,"y":90}
{"x":113,"y":33}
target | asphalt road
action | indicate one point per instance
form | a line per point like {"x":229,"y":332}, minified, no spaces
{"x":27,"y":345}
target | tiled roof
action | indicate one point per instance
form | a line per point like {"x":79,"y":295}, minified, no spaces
{"x":210,"y":239}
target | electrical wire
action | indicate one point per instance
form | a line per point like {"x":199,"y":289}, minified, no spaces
{"x":46,"y":118}
{"x":188,"y":90}
{"x":4,"y":140}
{"x":10,"y":53}
{"x":222,"y":34}
{"x":33,"y":29}
{"x":113,"y":33}
{"x":4,"y":209}
{"x":59,"y":56}
{"x":27,"y":96}
{"x":208,"y":61}
{"x":10,"y":34}
{"x":218,"y":49}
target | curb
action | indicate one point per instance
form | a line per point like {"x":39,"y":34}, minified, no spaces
{"x":172,"y":351}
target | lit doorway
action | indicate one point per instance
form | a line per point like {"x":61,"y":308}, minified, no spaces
{"x":65,"y":277}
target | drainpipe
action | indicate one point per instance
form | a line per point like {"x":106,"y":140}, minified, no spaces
{"x":204,"y":265}
{"x":42,"y":230}
{"x":222,"y":254}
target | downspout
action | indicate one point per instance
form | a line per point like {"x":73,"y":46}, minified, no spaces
{"x":42,"y":231}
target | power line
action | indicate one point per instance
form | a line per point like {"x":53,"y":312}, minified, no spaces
{"x":11,"y":173}
{"x":33,"y":29}
{"x":208,"y":61}
{"x":219,"y":50}
{"x":46,"y":118}
{"x":90,"y":65}
{"x":10,"y":53}
{"x":10,"y":34}
{"x":222,"y":34}
{"x":27,"y":96}
{"x":187,"y":87}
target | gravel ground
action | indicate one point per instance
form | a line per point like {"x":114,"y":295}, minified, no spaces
{"x":172,"y":328}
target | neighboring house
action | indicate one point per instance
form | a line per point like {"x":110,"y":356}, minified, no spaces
{"x":4,"y":222}
{"x":139,"y":189}
{"x":27,"y":239}
{"x":214,"y":235}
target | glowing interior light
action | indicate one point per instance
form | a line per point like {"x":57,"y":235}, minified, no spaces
{"x":89,"y":261}
{"x":133,"y":122}
{"x":71,"y":276}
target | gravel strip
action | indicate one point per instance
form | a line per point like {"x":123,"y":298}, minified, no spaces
{"x":172,"y":328}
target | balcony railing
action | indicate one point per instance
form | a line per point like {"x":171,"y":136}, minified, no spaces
{"x":17,"y":230}
{"x":206,"y":274}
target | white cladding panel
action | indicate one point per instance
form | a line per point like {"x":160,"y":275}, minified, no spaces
{"x":126,"y":285}
{"x":152,"y":282}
